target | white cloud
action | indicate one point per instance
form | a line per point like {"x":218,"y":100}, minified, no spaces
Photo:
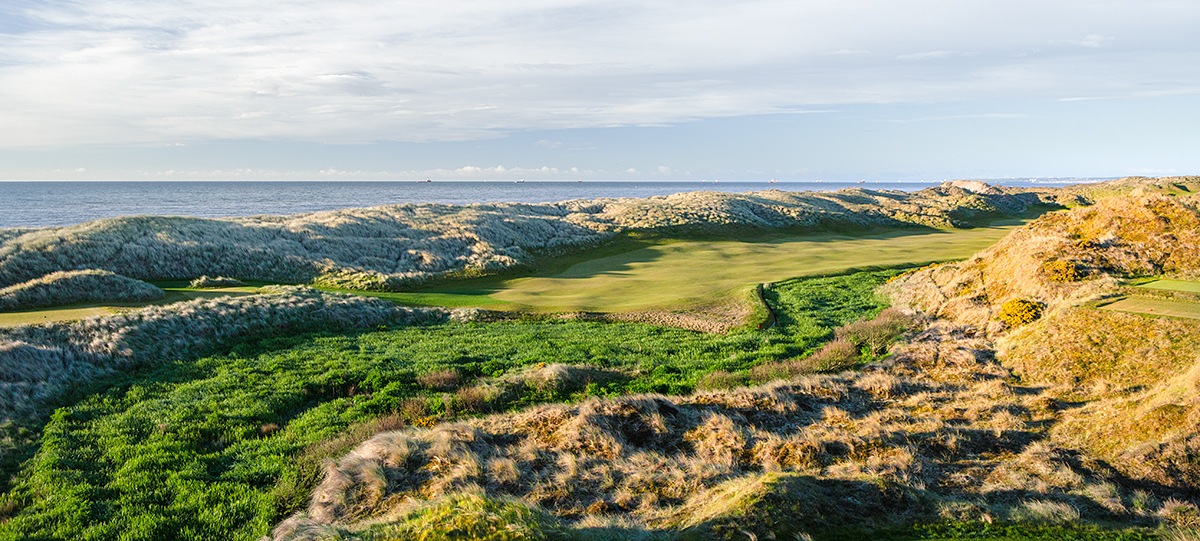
{"x":1090,"y":40}
{"x":931,"y":55}
{"x":138,"y":72}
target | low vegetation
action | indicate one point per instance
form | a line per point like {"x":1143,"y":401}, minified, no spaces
{"x":227,"y":445}
{"x":937,"y":433}
{"x":1017,"y":312}
{"x":69,"y":287}
{"x":1131,"y":379}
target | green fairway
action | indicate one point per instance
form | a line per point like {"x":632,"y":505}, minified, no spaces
{"x":1156,"y":307}
{"x":450,"y":299}
{"x":683,"y":273}
{"x":49,"y":315}
{"x":644,"y":275}
{"x":81,"y":311}
{"x":1173,"y":285}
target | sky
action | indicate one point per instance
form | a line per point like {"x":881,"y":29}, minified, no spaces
{"x":614,"y":90}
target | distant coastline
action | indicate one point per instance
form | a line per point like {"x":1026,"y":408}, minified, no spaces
{"x":58,"y":203}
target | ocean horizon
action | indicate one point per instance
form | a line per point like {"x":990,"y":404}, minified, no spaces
{"x":60,"y":203}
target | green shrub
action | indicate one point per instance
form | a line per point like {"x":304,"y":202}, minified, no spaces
{"x":1062,"y":271}
{"x":1019,"y":312}
{"x":471,"y":515}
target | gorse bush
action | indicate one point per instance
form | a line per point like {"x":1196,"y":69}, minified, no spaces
{"x":1062,"y":271}
{"x":71,"y":287}
{"x":1017,"y":312}
{"x":392,"y":246}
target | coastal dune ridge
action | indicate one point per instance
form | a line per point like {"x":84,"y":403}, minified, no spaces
{"x":392,"y":247}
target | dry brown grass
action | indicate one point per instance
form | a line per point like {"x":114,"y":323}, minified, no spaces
{"x":446,"y":379}
{"x":1126,"y":384}
{"x":1117,"y":237}
{"x":938,"y":421}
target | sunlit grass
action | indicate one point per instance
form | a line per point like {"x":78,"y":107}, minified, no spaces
{"x":690,"y":272}
{"x":1156,"y":307}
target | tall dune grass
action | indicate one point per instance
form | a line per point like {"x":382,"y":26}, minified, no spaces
{"x":39,"y":363}
{"x":1116,"y":238}
{"x":70,"y":287}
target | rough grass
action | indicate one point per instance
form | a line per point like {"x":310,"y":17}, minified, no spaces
{"x":228,"y":443}
{"x":1130,"y":379}
{"x":938,"y":434}
{"x":1134,"y":377}
{"x":1116,"y":238}
{"x":72,"y":287}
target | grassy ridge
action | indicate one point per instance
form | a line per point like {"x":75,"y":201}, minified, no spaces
{"x":76,"y":286}
{"x":390,"y":247}
{"x":633,"y":274}
{"x":208,"y":449}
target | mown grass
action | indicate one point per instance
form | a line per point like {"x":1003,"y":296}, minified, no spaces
{"x":632,"y":274}
{"x":223,"y":447}
{"x":1156,"y":307}
{"x":50,"y":315}
{"x":1173,"y":285}
{"x":674,"y":273}
{"x":78,"y":311}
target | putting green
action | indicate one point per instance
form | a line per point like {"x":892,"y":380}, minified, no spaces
{"x":1173,"y":285}
{"x":1156,"y":307}
{"x":690,"y":273}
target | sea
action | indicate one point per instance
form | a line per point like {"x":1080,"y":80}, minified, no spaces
{"x":54,"y":203}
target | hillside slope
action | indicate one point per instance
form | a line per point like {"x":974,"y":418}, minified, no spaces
{"x":1134,"y":378}
{"x":1083,"y":416}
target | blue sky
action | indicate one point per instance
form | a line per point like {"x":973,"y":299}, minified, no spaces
{"x":795,"y":90}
